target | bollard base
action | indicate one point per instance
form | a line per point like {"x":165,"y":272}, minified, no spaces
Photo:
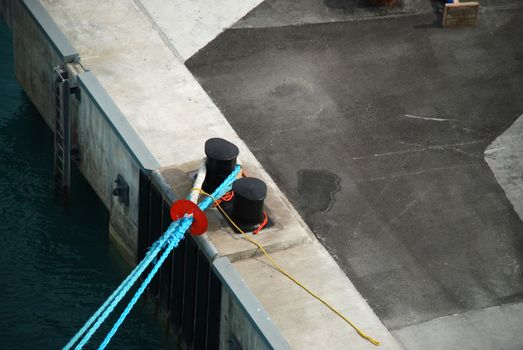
{"x":228,"y":209}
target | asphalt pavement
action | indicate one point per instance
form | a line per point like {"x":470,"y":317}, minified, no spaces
{"x":375,"y":130}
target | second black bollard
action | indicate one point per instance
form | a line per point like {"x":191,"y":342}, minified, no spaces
{"x":249,"y":195}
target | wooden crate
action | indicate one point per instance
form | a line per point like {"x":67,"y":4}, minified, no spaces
{"x":460,"y":14}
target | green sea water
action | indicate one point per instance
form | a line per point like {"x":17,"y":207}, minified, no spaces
{"x":57,"y":264}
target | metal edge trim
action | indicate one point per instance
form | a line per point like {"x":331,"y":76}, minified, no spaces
{"x":51,"y":30}
{"x":249,"y":303}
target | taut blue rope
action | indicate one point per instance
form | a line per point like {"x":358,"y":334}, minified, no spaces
{"x":129,"y":281}
{"x":124,"y":287}
{"x":173,"y":243}
{"x":169,"y":240}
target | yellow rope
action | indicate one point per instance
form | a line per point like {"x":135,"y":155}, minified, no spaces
{"x":288,"y":275}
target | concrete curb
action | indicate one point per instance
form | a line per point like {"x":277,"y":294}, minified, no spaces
{"x":250,"y":304}
{"x":48,"y":26}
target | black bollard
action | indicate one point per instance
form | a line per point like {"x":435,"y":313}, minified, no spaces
{"x":221,"y":160}
{"x":247,"y":210}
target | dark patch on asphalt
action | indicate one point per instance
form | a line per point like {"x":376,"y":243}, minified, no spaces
{"x":316,"y":189}
{"x":286,"y":89}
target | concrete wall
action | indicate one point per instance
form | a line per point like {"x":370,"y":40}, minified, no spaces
{"x":234,"y":329}
{"x":35,"y":57}
{"x":102,"y":157}
{"x":6,"y":7}
{"x":244,"y":321}
{"x":107,"y":144}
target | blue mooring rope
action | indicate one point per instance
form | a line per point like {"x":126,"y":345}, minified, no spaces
{"x":169,"y":240}
{"x":173,"y":243}
{"x":113,"y":300}
{"x":124,"y":287}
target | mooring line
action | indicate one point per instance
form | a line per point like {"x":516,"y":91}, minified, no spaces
{"x":128,"y":282}
{"x":173,"y":243}
{"x":169,"y":240}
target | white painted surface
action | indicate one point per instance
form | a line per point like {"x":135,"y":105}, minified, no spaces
{"x":505,"y":158}
{"x":497,"y":327}
{"x":190,"y":25}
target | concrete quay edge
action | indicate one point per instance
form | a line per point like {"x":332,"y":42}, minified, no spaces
{"x":214,"y":122}
{"x":67,"y":52}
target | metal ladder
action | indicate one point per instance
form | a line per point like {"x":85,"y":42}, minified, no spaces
{"x":62,"y":135}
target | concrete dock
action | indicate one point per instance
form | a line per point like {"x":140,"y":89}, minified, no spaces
{"x":373,"y":122}
{"x":375,"y":127}
{"x":140,"y":108}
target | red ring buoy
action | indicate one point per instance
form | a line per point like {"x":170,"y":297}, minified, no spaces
{"x":182,"y":207}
